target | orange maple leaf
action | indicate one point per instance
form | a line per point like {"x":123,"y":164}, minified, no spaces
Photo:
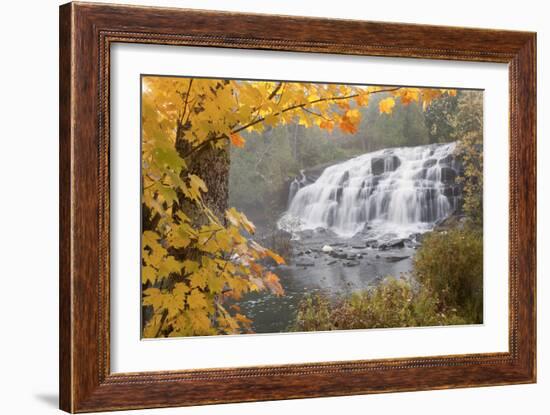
{"x":237,"y":140}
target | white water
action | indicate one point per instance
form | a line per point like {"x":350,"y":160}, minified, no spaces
{"x":395,"y":192}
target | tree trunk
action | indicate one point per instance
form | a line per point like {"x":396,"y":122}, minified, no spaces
{"x":212,"y":166}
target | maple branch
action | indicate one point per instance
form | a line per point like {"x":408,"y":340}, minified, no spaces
{"x":162,"y":320}
{"x":316,"y":114}
{"x":290,"y":108}
{"x":316,"y":101}
{"x":274,"y":92}
{"x":204,"y":144}
{"x":186,"y":99}
{"x":281,"y":94}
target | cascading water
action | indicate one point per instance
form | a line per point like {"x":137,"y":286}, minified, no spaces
{"x":394,"y":192}
{"x":295,"y":185}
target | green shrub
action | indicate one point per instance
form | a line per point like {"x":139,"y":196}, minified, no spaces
{"x":392,"y":303}
{"x":314,"y":314}
{"x":451,"y":263}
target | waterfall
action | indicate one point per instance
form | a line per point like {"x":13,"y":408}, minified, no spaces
{"x":296,"y":185}
{"x":395,"y":191}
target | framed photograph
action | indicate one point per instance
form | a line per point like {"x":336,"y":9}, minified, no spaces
{"x":252,"y":208}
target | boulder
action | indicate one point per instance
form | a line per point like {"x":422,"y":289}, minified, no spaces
{"x":307,"y":233}
{"x":394,"y":243}
{"x":448,"y":175}
{"x":429,"y":163}
{"x":371,"y":243}
{"x":339,"y":193}
{"x":448,"y":191}
{"x":421,"y":174}
{"x":344,"y":179}
{"x":377,"y":166}
{"x":416,"y":236}
{"x":324,"y":231}
{"x":396,"y":258}
{"x":381,"y":165}
{"x":447,"y":160}
{"x":339,"y":255}
{"x":327,"y":249}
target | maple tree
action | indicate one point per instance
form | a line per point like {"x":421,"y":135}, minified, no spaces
{"x":194,"y":257}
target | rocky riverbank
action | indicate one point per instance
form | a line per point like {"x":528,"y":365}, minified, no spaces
{"x":322,"y":262}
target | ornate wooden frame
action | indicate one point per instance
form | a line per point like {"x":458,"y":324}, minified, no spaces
{"x":86,"y":33}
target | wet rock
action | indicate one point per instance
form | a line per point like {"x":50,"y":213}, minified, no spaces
{"x":411,"y":244}
{"x":429,"y":163}
{"x":416,"y":237}
{"x":327,"y":249}
{"x":307,"y":234}
{"x":453,"y":221}
{"x":305,"y":264}
{"x":339,"y":255}
{"x":421,"y":174}
{"x":324,"y":232}
{"x":396,"y":258}
{"x":332,"y":262}
{"x":371,"y":243}
{"x":395,"y":163}
{"x":394,"y":243}
{"x":377,"y":166}
{"x":447,"y":191}
{"x":381,"y":165}
{"x":344,"y":179}
{"x":351,"y":264}
{"x":339,"y":193}
{"x":366,"y":227}
{"x":448,"y":175}
{"x":447,"y":160}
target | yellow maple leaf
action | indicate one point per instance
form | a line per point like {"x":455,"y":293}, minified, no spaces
{"x":196,"y":300}
{"x":386,"y":105}
{"x":198,"y":279}
{"x":148,"y":274}
{"x":409,"y":95}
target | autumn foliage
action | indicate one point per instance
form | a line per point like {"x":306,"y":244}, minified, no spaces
{"x":195,"y":261}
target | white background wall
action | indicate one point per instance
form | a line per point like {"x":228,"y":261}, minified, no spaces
{"x":29,"y":207}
